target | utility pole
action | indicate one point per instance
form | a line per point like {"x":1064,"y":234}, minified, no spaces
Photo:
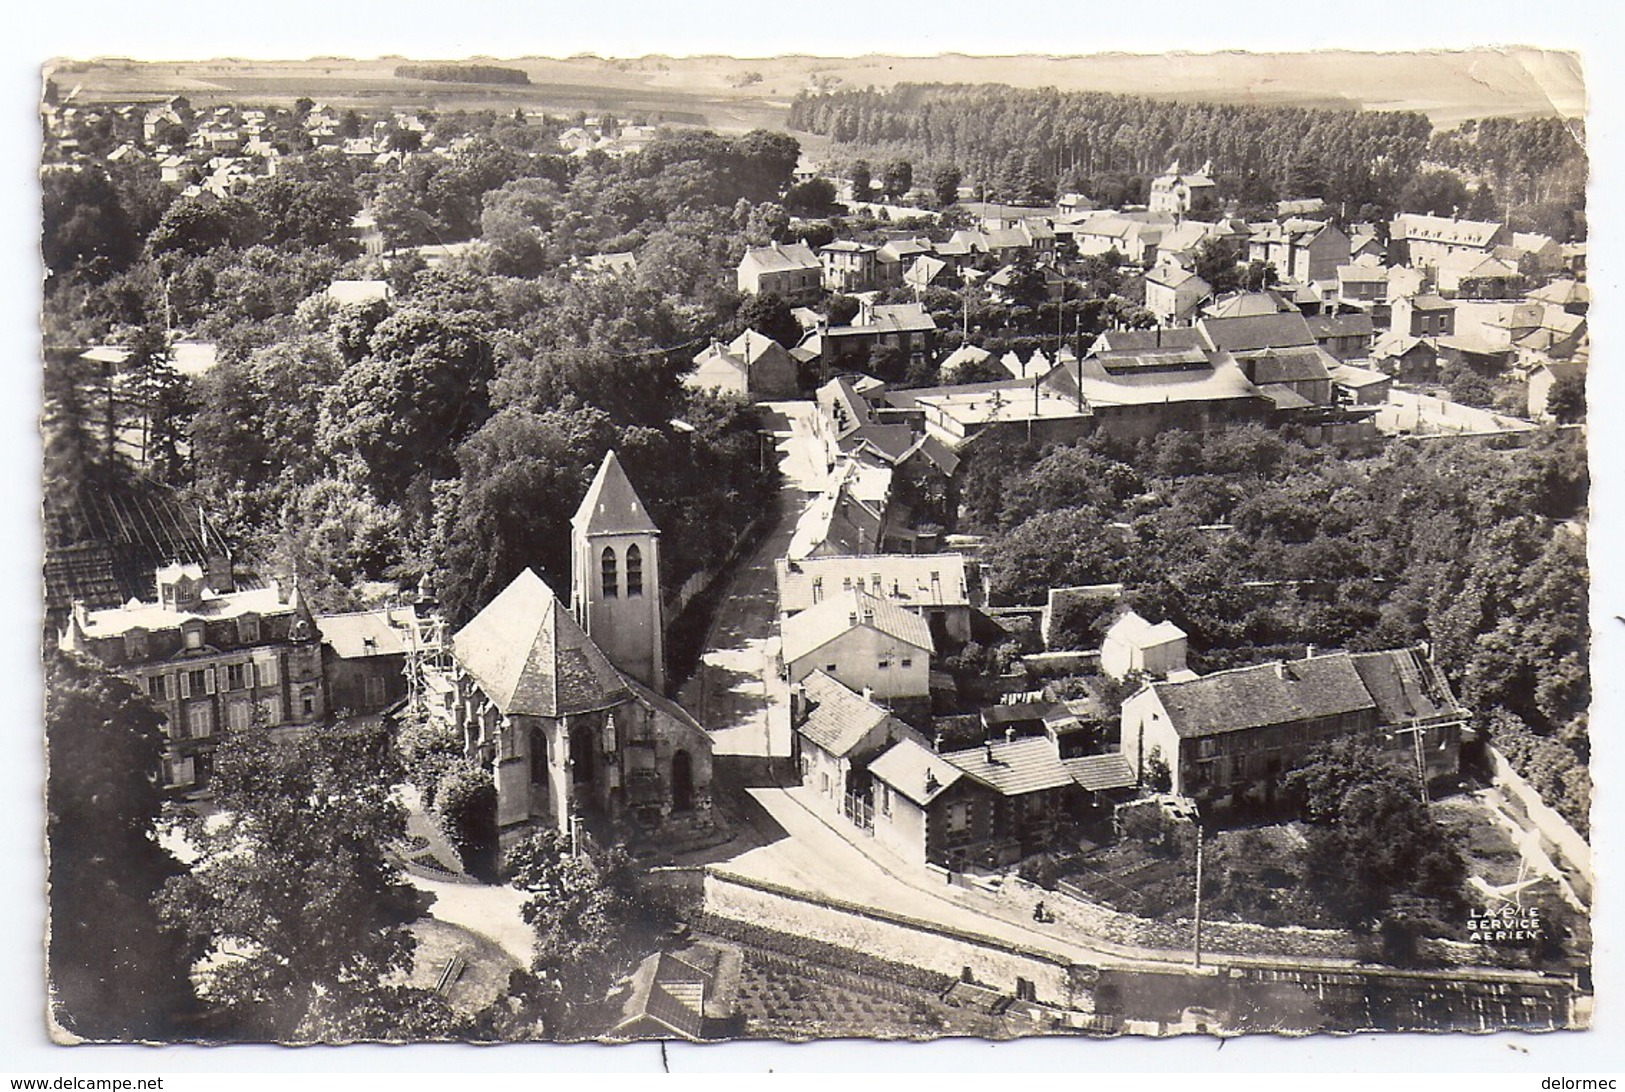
{"x":1196,"y":943}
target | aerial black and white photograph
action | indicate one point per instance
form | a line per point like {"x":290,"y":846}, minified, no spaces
{"x":706,"y":547}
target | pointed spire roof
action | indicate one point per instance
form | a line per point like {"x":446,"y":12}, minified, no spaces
{"x":611,"y":506}
{"x":531,"y":657}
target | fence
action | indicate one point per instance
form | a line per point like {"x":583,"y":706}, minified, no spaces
{"x":1554,"y":829}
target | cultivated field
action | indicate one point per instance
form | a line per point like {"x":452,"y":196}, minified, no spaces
{"x":737,"y":94}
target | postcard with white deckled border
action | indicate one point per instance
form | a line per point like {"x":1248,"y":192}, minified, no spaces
{"x":801,"y":548}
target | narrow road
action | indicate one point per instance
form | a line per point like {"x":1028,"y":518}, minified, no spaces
{"x":735,"y":692}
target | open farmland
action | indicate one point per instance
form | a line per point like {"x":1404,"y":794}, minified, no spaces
{"x":737,"y":94}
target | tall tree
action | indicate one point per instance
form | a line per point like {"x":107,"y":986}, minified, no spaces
{"x":163,"y":398}
{"x":861,"y":178}
{"x":897,"y":179}
{"x":115,"y":972}
{"x":418,"y":392}
{"x":302,"y":911}
{"x":1371,"y":838}
{"x":588,"y":916}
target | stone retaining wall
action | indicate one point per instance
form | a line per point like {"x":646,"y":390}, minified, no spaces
{"x":895,"y":937}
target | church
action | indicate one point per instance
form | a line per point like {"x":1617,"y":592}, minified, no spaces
{"x":566,"y":707}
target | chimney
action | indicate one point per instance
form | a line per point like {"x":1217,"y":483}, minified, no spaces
{"x":1309,"y":652}
{"x":931,"y":782}
{"x":936,"y":741}
{"x":869,"y":694}
{"x":987,"y":745}
{"x":1009,"y":735}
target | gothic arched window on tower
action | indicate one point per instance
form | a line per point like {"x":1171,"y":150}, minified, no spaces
{"x":611,"y":581}
{"x":634,"y":571}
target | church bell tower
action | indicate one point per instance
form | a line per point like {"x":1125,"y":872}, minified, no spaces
{"x":615,"y":576}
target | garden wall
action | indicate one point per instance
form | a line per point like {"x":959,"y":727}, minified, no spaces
{"x":894,"y":937}
{"x":1574,"y":850}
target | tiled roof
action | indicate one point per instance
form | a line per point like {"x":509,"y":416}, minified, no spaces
{"x":903,"y":578}
{"x":1255,"y":697}
{"x":884,"y":318}
{"x":838,"y":719}
{"x":935,"y":452}
{"x":915,"y":772}
{"x":1218,"y":379}
{"x":1100,"y":772}
{"x":1135,"y":630}
{"x":965,"y":354}
{"x":924,"y":270}
{"x":611,"y":505}
{"x":1014,"y":767}
{"x":265,"y":602}
{"x":847,"y":246}
{"x":1180,"y":337}
{"x":1404,"y":686}
{"x":1300,"y":364}
{"x":531,"y":657}
{"x":1247,"y":332}
{"x":890,"y":442}
{"x":1562,"y":293}
{"x":1395,"y":343}
{"x":780,"y":258}
{"x":1243,"y":304}
{"x":1350,"y":376}
{"x":1476,"y":233}
{"x":1173,"y":276}
{"x":1284,"y":397}
{"x":817,"y":626}
{"x":896,"y":250}
{"x":753,"y":346}
{"x":367,"y":633}
{"x":1340,"y":325}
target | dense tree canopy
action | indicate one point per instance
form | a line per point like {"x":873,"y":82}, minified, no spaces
{"x":1017,"y":142}
{"x":302,"y":912}
{"x":115,"y":972}
{"x":1371,"y":838}
{"x":587,"y":913}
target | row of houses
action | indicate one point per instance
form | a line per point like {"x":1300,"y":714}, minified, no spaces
{"x":1222,"y":740}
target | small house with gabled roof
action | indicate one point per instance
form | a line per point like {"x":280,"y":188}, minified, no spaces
{"x":836,"y":733}
{"x":789,"y":270}
{"x":871,"y":644}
